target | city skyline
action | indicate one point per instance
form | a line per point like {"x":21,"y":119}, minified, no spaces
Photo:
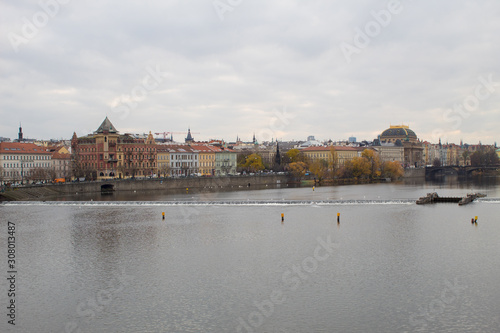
{"x":181,"y":137}
{"x":282,"y":70}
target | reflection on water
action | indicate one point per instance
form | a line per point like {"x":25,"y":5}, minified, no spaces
{"x":455,"y":181}
{"x":407,"y":189}
{"x":388,"y":266}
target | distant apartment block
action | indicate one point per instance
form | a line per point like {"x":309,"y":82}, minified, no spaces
{"x":23,"y":162}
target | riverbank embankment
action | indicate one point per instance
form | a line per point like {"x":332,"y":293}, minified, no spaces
{"x":170,"y":185}
{"x":51,"y":191}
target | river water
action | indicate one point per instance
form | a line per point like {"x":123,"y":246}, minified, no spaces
{"x":225,"y":262}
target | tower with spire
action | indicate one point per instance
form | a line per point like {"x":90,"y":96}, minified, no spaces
{"x":189,"y":138}
{"x":277,"y":157}
{"x":20,"y":134}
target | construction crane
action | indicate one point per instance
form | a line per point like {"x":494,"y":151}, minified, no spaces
{"x":167,"y":133}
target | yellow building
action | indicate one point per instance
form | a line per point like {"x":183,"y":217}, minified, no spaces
{"x":163,"y":157}
{"x":206,"y":163}
{"x":343,"y":153}
{"x":453,"y":154}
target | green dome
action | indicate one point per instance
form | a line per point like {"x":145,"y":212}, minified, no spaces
{"x":398,"y":132}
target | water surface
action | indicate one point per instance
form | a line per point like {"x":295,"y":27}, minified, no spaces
{"x":224,"y":262}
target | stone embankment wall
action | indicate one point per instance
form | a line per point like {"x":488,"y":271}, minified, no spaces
{"x":209,"y":183}
{"x":415,"y":173}
{"x":172,"y":183}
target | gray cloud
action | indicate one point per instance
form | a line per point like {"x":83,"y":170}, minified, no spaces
{"x":226,"y":77}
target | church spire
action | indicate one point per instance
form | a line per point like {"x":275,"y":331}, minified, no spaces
{"x":20,"y":135}
{"x":277,"y":158}
{"x":189,"y":138}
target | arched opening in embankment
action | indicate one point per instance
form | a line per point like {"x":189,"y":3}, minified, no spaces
{"x":107,"y":188}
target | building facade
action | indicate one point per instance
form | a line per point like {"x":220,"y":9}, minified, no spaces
{"x":225,"y":162}
{"x":413,"y":149}
{"x":24,"y":162}
{"x":343,"y":153}
{"x":61,"y":165}
{"x":391,"y":152}
{"x":163,"y":158}
{"x":107,"y":154}
{"x":183,"y":160}
{"x":206,"y":159}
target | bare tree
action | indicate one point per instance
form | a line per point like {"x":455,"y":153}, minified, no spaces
{"x":51,"y":174}
{"x":165,"y":169}
{"x":39,"y":174}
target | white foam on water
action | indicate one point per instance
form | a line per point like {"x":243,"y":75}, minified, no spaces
{"x":311,"y":203}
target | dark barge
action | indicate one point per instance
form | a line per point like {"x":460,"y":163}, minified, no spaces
{"x":434,"y":197}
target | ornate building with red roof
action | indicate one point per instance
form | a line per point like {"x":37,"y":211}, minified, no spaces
{"x":107,"y":154}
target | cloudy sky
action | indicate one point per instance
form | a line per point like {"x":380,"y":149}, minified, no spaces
{"x":280,"y":69}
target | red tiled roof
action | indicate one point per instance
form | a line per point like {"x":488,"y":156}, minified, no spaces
{"x":180,"y":149}
{"x":59,"y":156}
{"x":21,"y":148}
{"x":205,"y":148}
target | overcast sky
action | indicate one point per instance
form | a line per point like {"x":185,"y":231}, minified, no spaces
{"x":281,"y":69}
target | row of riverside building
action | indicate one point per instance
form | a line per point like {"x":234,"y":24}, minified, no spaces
{"x":106,"y":153}
{"x":109,"y":154}
{"x":23,"y":161}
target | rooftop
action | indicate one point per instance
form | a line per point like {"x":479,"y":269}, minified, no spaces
{"x":21,"y":148}
{"x":107,"y":126}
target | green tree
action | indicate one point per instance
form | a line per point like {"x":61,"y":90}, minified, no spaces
{"x":241,"y":159}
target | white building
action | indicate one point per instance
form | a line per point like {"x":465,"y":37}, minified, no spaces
{"x":21,"y":162}
{"x":184,"y":160}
